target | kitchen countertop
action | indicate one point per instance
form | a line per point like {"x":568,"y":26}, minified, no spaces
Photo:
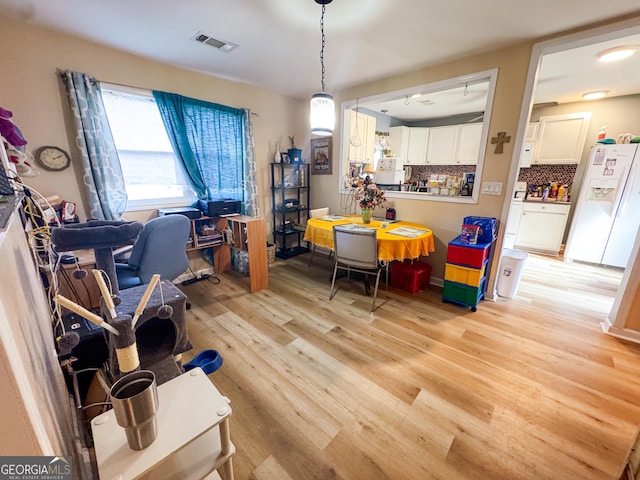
{"x":551,"y":200}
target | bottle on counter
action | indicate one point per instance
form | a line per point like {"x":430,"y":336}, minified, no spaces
{"x":602,"y":134}
{"x":561,"y":191}
{"x":545,"y":194}
{"x":553,"y":193}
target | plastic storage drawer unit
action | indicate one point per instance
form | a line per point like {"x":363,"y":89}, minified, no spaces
{"x":410,"y":276}
{"x":462,"y":253}
{"x":465,"y":295}
{"x":465,"y":275}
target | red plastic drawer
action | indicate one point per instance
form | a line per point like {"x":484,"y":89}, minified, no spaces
{"x":467,"y":255}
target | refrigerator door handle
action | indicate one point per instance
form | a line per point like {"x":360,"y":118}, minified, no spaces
{"x":616,"y":202}
{"x":628,"y":191}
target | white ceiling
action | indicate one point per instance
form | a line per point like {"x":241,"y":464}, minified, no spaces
{"x":279,"y":40}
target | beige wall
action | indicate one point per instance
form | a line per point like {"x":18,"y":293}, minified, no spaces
{"x":445,"y":219}
{"x":30,"y":88}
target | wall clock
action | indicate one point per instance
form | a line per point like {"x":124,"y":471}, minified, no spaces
{"x":53,"y":159}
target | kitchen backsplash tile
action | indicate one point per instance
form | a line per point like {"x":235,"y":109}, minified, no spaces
{"x":423,"y":172}
{"x":541,"y":174}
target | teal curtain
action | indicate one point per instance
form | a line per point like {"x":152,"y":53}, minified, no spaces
{"x":215,"y":145}
{"x":102,"y":173}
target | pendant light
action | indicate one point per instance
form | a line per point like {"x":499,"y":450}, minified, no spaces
{"x":322,"y":114}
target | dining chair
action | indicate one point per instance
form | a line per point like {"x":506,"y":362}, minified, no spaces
{"x":356,"y":250}
{"x":314,"y":213}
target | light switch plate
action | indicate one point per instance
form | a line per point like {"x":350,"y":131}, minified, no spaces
{"x":491,"y":188}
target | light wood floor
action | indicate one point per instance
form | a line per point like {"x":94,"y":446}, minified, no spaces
{"x":528,"y":388}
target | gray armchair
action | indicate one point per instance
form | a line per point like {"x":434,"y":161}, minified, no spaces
{"x":160,"y":248}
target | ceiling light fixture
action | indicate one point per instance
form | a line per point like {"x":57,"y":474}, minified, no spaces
{"x":322,"y":115}
{"x":594,"y":95}
{"x":617,"y":53}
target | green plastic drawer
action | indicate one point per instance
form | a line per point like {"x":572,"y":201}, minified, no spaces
{"x":463,"y":294}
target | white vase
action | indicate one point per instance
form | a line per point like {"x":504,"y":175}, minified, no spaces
{"x":277,"y":157}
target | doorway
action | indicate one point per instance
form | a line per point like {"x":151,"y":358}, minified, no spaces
{"x":577,"y":280}
{"x":585,"y":292}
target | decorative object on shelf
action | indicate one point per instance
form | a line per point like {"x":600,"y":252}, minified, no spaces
{"x":369,"y":197}
{"x":367,"y":170}
{"x":52,"y":159}
{"x":499,"y":141}
{"x":322,"y":108}
{"x":321,"y":156}
{"x":277,"y":157}
{"x":295,"y":154}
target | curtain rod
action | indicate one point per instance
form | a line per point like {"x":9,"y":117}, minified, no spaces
{"x":61,"y":72}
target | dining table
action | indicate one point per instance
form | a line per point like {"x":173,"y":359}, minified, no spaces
{"x":397,"y":240}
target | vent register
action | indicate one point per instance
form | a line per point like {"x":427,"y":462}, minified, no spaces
{"x":214,"y":42}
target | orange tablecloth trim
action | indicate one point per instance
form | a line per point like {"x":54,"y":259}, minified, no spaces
{"x":390,"y":246}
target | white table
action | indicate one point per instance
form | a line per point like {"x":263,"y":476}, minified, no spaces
{"x":193,"y":436}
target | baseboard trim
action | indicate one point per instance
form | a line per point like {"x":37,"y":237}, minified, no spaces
{"x":621,"y":333}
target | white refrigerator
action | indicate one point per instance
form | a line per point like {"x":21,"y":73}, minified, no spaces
{"x":607,"y":215}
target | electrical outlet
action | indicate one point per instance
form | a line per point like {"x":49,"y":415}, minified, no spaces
{"x":491,"y":188}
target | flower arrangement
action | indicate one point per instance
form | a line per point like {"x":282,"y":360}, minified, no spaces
{"x":369,"y":196}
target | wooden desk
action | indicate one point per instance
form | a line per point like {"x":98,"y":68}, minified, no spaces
{"x":249,"y":234}
{"x":390,"y":246}
{"x":193,"y":435}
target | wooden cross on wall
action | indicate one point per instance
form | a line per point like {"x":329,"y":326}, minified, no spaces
{"x":500,"y":140}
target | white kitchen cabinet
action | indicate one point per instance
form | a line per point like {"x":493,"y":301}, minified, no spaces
{"x":417,"y":151}
{"x":541,"y":226}
{"x":468,"y":145}
{"x":441,"y":145}
{"x":409,"y":144}
{"x":531,"y":132}
{"x":399,"y":141}
{"x":527,"y":154}
{"x":366,"y":133}
{"x":561,"y":138}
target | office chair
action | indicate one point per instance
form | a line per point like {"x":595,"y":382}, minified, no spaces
{"x":317,"y":212}
{"x":160,"y":248}
{"x":356,"y":250}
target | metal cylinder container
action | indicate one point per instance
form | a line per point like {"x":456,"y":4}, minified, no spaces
{"x":135,"y":401}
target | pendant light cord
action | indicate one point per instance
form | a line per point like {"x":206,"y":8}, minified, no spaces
{"x":322,"y":48}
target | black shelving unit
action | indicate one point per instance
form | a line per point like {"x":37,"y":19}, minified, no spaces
{"x":290,"y":207}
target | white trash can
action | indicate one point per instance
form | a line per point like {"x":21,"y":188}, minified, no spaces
{"x":511,"y":266}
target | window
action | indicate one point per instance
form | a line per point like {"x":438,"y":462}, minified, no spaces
{"x":152,"y":173}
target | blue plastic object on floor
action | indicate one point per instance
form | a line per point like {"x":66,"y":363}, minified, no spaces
{"x":208,"y":360}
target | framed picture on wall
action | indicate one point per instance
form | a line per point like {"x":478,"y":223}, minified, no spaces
{"x":321,"y":156}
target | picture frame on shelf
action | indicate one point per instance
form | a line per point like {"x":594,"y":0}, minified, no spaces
{"x":321,"y":162}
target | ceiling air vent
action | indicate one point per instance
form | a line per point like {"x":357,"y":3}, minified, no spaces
{"x":214,"y":42}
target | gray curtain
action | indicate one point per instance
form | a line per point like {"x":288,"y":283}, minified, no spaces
{"x":251,"y":206}
{"x":102,"y":173}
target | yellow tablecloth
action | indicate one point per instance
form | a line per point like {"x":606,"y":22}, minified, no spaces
{"x":391,"y":246}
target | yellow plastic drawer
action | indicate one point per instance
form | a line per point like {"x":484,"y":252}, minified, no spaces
{"x":465,"y":275}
